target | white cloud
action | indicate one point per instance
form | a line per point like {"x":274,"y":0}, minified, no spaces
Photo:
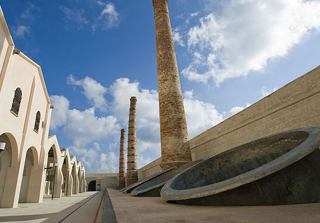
{"x":74,"y":17}
{"x":234,"y":110}
{"x":246,"y":34}
{"x":87,"y":131}
{"x":93,"y":91}
{"x":60,"y":112}
{"x":176,"y":37}
{"x":109,"y":17}
{"x":148,"y":128}
{"x":147,"y":100}
{"x":87,"y":157}
{"x":84,"y":127}
{"x":101,"y":3}
{"x":97,"y":146}
{"x":25,"y":21}
{"x":265,"y":92}
{"x":21,"y":31}
{"x":107,"y":163}
{"x":200,"y":115}
{"x":191,"y":71}
{"x":141,"y":161}
{"x":194,"y":14}
{"x":28,"y":14}
{"x":97,"y":162}
{"x":114,"y":146}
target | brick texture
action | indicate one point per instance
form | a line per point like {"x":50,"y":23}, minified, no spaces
{"x":132,"y":174}
{"x":173,"y":126}
{"x":122,"y":167}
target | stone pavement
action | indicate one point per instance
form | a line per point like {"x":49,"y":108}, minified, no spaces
{"x":133,"y":209}
{"x":77,"y":208}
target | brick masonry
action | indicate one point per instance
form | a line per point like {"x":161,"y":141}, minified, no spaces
{"x":122,"y":166}
{"x":132,"y":174}
{"x":295,"y":105}
{"x":173,"y":126}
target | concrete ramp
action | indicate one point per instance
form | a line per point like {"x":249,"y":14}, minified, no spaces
{"x":131,"y":187}
{"x":279,"y":169}
{"x":153,"y":187}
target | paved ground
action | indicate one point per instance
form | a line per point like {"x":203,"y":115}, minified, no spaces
{"x":132,"y":209}
{"x":77,"y":208}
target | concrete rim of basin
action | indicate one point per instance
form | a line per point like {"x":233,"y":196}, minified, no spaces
{"x":144,"y":188}
{"x":131,"y":187}
{"x":303,"y":149}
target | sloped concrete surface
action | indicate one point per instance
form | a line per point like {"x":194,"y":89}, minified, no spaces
{"x":152,"y":187}
{"x":132,"y":209}
{"x":131,"y":187}
{"x":77,"y":208}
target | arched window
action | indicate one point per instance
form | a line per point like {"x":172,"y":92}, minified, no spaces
{"x":37,"y":122}
{"x":16,"y":101}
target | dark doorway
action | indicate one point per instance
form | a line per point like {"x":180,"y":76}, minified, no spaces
{"x":92,"y":186}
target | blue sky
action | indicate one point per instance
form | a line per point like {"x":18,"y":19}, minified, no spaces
{"x":95,"y":55}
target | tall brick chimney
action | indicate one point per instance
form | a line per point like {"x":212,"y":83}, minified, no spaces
{"x":173,"y":126}
{"x":122,"y":167}
{"x":132,"y":174}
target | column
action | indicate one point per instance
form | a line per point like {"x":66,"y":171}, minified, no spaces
{"x":132,"y":174}
{"x":173,"y":126}
{"x":122,"y":170}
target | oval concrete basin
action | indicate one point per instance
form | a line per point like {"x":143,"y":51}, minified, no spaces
{"x":131,"y":187}
{"x":279,"y":169}
{"x":153,"y":187}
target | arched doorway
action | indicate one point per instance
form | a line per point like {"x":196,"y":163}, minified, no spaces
{"x":31,"y":158}
{"x":83,"y":185}
{"x":79,"y":178}
{"x":51,"y":172}
{"x":9,"y":170}
{"x":74,"y":177}
{"x":92,"y":186}
{"x":5,"y":162}
{"x":65,"y":189}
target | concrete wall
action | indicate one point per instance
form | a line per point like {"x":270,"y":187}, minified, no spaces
{"x":106,"y":180}
{"x":6,"y":42}
{"x":151,"y":168}
{"x":295,"y":105}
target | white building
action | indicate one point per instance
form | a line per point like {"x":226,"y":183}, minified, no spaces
{"x":25,"y":113}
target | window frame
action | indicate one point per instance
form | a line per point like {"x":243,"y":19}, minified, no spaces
{"x":16,"y":102}
{"x":37,"y":122}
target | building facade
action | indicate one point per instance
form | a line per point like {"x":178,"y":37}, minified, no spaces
{"x":30,"y":156}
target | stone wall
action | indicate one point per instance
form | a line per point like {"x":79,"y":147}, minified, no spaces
{"x":105,"y":180}
{"x":295,"y":105}
{"x":151,"y":168}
